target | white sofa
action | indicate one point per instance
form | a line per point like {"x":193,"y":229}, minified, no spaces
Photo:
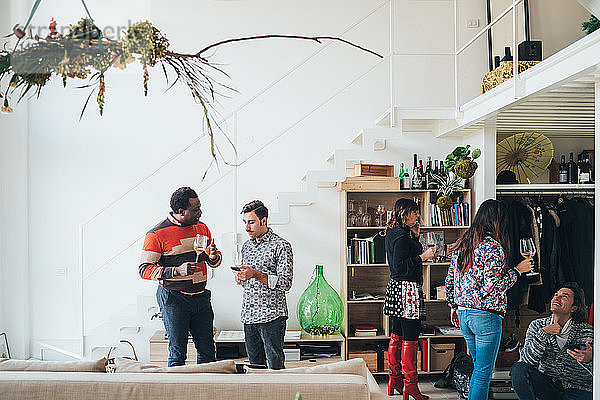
{"x":347,"y":380}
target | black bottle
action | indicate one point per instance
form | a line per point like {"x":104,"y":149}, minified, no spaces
{"x":572,"y":169}
{"x":496,"y":61}
{"x":507,"y":56}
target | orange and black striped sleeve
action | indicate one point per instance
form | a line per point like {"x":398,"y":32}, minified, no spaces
{"x":149,"y":264}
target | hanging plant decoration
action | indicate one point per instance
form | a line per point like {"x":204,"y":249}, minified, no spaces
{"x":83,"y":53}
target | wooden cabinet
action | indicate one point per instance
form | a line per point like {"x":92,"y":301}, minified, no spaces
{"x":368,"y":274}
{"x":236,"y":349}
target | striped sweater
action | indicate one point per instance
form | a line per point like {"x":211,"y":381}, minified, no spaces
{"x":542,"y":351}
{"x":168,"y":245}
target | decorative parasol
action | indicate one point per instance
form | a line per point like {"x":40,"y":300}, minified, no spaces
{"x":527,"y":154}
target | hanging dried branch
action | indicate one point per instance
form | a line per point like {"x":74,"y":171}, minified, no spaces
{"x":84,"y":54}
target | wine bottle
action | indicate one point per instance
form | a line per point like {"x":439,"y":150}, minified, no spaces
{"x":422,"y":176}
{"x":416,"y":182}
{"x":563,"y":173}
{"x":572,"y":169}
{"x":406,"y":179}
{"x":507,"y":57}
{"x":401,"y":175}
{"x":584,"y":169}
{"x":429,"y":174}
{"x":443,"y":171}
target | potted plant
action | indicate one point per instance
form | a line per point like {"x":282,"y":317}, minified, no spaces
{"x":447,"y":186}
{"x":461,"y":161}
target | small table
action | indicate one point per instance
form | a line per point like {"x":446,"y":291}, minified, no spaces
{"x":159,"y":349}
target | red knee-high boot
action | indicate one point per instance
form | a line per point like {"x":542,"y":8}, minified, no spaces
{"x":395,"y":363}
{"x":409,"y":367}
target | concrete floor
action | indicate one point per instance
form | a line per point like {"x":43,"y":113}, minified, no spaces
{"x":426,"y":386}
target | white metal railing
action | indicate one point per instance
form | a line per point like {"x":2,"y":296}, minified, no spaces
{"x":458,"y":51}
{"x":234,"y":116}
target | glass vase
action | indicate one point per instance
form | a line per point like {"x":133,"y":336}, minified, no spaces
{"x":320,"y":308}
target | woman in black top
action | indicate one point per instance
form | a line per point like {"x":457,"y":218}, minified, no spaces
{"x":404,"y":296}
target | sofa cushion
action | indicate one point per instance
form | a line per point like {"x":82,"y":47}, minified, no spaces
{"x":217,"y":367}
{"x":7,"y":364}
{"x":356,"y":366}
{"x":136,"y":386}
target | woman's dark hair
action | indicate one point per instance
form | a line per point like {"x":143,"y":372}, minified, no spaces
{"x":580,"y":315}
{"x":401,"y":210}
{"x":258,"y":207}
{"x":181,"y":198}
{"x":491,"y":220}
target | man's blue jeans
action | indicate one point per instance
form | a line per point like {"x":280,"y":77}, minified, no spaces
{"x":530,"y":384}
{"x":264,"y":342}
{"x":482,"y":331}
{"x":183,"y":313}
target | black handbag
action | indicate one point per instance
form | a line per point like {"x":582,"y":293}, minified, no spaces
{"x":457,"y":375}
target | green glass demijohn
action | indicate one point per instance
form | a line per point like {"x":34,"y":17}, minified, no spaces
{"x":320,"y":309}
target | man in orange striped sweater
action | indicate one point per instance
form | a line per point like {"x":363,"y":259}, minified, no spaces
{"x":168,"y":257}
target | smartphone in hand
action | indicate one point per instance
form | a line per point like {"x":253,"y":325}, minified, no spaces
{"x":236,"y":268}
{"x":576,"y":346}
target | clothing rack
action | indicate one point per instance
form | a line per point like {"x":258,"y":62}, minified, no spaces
{"x":583,"y":190}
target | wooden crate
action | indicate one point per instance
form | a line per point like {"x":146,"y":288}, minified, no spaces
{"x":374,"y":170}
{"x":370,"y":358}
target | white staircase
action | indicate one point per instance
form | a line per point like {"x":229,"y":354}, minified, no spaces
{"x":133,"y":323}
{"x":368,"y":146}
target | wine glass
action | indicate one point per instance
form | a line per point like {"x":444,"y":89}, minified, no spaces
{"x":380,"y":215}
{"x":527,"y":248}
{"x":200,"y":243}
{"x":430,"y":240}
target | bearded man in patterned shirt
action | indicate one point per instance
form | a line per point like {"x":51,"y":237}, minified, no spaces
{"x":266,"y":275}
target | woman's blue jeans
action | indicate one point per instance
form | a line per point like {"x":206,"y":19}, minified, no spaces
{"x":482,"y":331}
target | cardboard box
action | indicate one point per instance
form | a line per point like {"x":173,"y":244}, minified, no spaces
{"x":441,"y":355}
{"x":374,"y":170}
{"x":370,"y":358}
{"x":440,"y":292}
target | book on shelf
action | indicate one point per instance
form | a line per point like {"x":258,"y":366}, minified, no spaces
{"x":449,"y":330}
{"x":368,"y":250}
{"x":292,"y":335}
{"x":364,"y":330}
{"x":366,"y":296}
{"x":231,"y":335}
{"x":456,"y":215}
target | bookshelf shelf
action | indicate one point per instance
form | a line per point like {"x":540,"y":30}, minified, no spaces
{"x":365,"y":270}
{"x":365,"y":301}
{"x":367,"y":265}
{"x":378,"y":337}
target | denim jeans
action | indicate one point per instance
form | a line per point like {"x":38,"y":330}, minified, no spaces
{"x":482,"y":331}
{"x":183,"y":313}
{"x":264,"y":343}
{"x":530,"y":384}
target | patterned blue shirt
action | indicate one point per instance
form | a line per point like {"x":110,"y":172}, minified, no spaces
{"x":273,"y":256}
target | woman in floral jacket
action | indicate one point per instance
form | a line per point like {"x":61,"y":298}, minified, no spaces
{"x":476,"y":287}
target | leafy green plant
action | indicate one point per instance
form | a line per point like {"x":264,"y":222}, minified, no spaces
{"x":591,"y":25}
{"x":460,"y":161}
{"x":447,"y":186}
